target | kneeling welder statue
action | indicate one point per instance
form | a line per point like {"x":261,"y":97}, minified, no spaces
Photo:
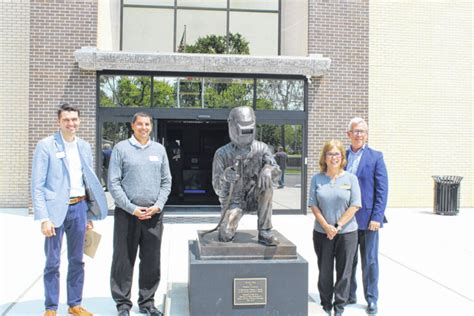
{"x":243,"y":173}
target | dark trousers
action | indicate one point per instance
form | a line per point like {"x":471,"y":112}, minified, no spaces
{"x":340,"y":250}
{"x":369,"y":250}
{"x":74,"y":226}
{"x":130,"y":233}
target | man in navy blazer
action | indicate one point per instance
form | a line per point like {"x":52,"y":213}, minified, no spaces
{"x":66,"y":196}
{"x":369,"y":167}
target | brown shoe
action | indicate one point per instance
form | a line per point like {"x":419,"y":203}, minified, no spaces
{"x":49,"y":312}
{"x":78,"y":311}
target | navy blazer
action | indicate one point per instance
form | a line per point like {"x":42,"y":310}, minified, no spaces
{"x":373,"y":182}
{"x":50,"y":181}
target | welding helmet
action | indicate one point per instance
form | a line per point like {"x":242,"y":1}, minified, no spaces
{"x":242,"y":126}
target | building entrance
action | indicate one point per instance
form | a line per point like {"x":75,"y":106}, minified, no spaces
{"x":190,"y":145}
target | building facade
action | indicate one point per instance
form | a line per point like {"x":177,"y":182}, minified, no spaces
{"x":378,"y":60}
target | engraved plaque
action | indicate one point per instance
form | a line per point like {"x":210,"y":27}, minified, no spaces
{"x":250,"y":291}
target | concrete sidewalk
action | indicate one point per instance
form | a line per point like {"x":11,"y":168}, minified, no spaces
{"x":426,"y":263}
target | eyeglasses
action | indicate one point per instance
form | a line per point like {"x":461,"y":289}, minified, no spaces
{"x":330,"y":154}
{"x":359,"y":132}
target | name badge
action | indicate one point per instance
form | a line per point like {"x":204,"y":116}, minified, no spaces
{"x":60,"y":154}
{"x":154,"y":158}
{"x":346,"y":186}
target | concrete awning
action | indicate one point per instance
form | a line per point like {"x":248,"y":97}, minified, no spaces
{"x":89,"y":58}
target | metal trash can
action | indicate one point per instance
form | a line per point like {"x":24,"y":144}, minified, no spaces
{"x":447,"y":194}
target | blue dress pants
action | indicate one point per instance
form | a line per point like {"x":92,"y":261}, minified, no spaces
{"x":75,"y":227}
{"x":369,"y":251}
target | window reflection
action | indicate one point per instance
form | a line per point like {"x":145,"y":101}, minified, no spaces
{"x":112,"y":133}
{"x":164,"y":92}
{"x":203,"y":4}
{"x":199,"y":23}
{"x":157,"y":25}
{"x":149,"y":2}
{"x":260,"y":29}
{"x":200,"y":92}
{"x":148,"y":29}
{"x":254,"y":5}
{"x":125,"y":91}
{"x":190,"y":92}
{"x":227,"y":92}
{"x":290,"y":138}
{"x":273,"y":94}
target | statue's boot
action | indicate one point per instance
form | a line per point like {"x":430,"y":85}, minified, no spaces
{"x":266,"y":237}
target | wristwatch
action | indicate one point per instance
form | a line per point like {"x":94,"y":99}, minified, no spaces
{"x":338,"y":227}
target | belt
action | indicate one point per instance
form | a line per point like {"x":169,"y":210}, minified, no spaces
{"x":76,"y":199}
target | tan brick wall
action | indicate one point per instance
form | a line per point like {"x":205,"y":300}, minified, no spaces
{"x":420,"y":104}
{"x":58,"y":28}
{"x":14,"y":43}
{"x":338,"y":30}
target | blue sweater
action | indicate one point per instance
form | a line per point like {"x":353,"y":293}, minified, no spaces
{"x":139,"y":176}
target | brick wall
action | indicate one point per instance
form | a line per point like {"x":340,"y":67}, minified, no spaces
{"x":421,"y":108}
{"x":58,"y":28}
{"x":339,"y":30}
{"x":14,"y":44}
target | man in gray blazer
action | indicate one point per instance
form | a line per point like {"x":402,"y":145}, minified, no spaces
{"x":67,"y":196}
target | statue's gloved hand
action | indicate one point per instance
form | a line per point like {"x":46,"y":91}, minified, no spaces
{"x":231,"y":175}
{"x":265,"y":178}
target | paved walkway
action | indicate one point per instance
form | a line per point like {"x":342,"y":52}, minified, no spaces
{"x":426,"y":262}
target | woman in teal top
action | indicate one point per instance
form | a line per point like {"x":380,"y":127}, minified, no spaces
{"x":334,"y":198}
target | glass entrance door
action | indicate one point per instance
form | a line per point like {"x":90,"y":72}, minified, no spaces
{"x":190,"y":145}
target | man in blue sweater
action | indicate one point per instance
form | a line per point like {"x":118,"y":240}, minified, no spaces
{"x":140,"y":182}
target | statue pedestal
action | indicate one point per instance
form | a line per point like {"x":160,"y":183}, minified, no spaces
{"x":243,"y":277}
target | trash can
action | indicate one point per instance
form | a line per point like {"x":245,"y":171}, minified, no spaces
{"x":447,"y":194}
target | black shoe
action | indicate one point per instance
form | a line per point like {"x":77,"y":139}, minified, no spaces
{"x":372,"y":309}
{"x":266,"y":238}
{"x":351,"y":301}
{"x":327,"y":310}
{"x":123,"y":312}
{"x":150,"y":311}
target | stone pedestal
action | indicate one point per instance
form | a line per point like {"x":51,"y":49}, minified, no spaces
{"x":245,"y":278}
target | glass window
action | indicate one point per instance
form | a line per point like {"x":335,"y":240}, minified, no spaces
{"x":164,"y":92}
{"x":149,"y":2}
{"x":254,"y":5}
{"x":199,"y":23}
{"x":227,"y":92}
{"x":148,"y":29}
{"x":260,"y":29}
{"x":273,"y":94}
{"x":290,"y":139}
{"x":203,"y":4}
{"x":189,"y":92}
{"x":124,"y":91}
{"x":112,"y":133}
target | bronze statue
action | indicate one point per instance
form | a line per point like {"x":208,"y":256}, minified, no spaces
{"x":243,"y":174}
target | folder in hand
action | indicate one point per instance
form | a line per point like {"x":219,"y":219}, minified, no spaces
{"x":91,"y":243}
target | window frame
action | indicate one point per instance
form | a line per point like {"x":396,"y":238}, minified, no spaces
{"x":276,"y":117}
{"x":176,"y":7}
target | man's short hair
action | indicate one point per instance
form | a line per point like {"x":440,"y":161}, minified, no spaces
{"x":356,"y":120}
{"x":66,"y":107}
{"x":141,"y":114}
